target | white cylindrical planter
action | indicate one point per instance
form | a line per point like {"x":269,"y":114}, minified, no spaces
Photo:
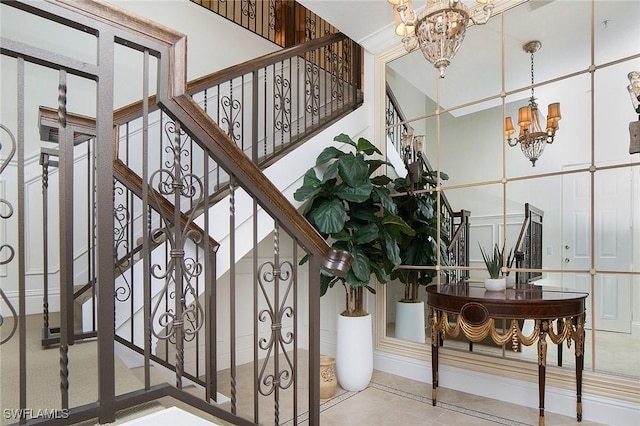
{"x":410,"y":321}
{"x":354,"y":352}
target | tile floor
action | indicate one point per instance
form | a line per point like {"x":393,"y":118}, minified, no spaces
{"x":388,"y":400}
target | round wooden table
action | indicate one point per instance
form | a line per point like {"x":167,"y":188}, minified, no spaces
{"x":471,"y":310}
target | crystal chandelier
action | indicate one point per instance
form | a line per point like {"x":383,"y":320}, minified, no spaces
{"x":438,"y":29}
{"x":532,"y":138}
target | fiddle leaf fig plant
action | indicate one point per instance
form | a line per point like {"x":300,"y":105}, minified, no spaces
{"x":351,"y":206}
{"x":420,"y":212}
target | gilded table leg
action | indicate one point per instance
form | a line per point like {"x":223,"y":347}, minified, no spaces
{"x":579,"y":338}
{"x":542,"y":365}
{"x":435,"y":337}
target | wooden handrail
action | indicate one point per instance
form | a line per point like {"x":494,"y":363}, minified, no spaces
{"x":210,"y":136}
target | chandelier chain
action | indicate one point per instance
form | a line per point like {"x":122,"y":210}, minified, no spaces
{"x":532,"y":80}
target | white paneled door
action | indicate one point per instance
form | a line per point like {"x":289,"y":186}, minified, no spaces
{"x":612,"y":243}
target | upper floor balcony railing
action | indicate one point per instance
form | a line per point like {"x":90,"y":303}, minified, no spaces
{"x":284,"y":22}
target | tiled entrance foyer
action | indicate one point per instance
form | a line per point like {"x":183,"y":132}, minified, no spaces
{"x":393,"y":400}
{"x":396,"y":401}
{"x":388,"y":400}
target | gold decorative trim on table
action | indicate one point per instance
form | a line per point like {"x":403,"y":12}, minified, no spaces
{"x":440,"y":324}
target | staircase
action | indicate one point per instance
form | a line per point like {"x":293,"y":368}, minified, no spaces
{"x":204,"y":150}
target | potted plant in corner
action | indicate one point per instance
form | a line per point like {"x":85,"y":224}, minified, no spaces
{"x":352,"y":208}
{"x":420,"y":212}
{"x":494,"y":262}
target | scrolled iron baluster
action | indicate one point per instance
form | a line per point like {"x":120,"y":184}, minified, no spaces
{"x":282,"y":103}
{"x":7,"y":252}
{"x":274,"y":313}
{"x":275,"y":15}
{"x":122,"y":246}
{"x":231,"y":109}
{"x":312,"y":90}
{"x":249,"y":8}
{"x":309,"y":28}
{"x":175,"y":180}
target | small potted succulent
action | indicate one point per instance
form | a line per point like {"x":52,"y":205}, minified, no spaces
{"x":494,"y":261}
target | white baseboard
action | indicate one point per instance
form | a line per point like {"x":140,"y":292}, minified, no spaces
{"x":33,"y":302}
{"x":635,"y":328}
{"x":560,"y":401}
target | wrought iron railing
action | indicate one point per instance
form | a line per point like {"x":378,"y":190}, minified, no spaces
{"x":456,"y":223}
{"x":284,"y":22}
{"x":271,"y":104}
{"x":175,"y":153}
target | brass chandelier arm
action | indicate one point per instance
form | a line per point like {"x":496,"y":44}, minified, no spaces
{"x":488,"y":10}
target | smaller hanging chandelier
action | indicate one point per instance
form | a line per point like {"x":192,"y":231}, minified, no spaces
{"x":532,"y":138}
{"x":438,"y":29}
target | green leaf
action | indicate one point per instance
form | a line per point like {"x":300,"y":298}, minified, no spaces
{"x":425,"y":206}
{"x":328,"y":154}
{"x":392,"y":250}
{"x":353,"y":170}
{"x":330,"y":173}
{"x":342,"y":235}
{"x":329,"y":216}
{"x":345,"y":139}
{"x":357,"y":194}
{"x":398,"y":224}
{"x":367,"y":147}
{"x":364,"y":212}
{"x":326,"y":281}
{"x":381,"y":275}
{"x":376,"y":163}
{"x":381,"y":180}
{"x":366,"y":234}
{"x":386,"y":200}
{"x":310,"y":186}
{"x":353,"y":281}
{"x":361,"y":267}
